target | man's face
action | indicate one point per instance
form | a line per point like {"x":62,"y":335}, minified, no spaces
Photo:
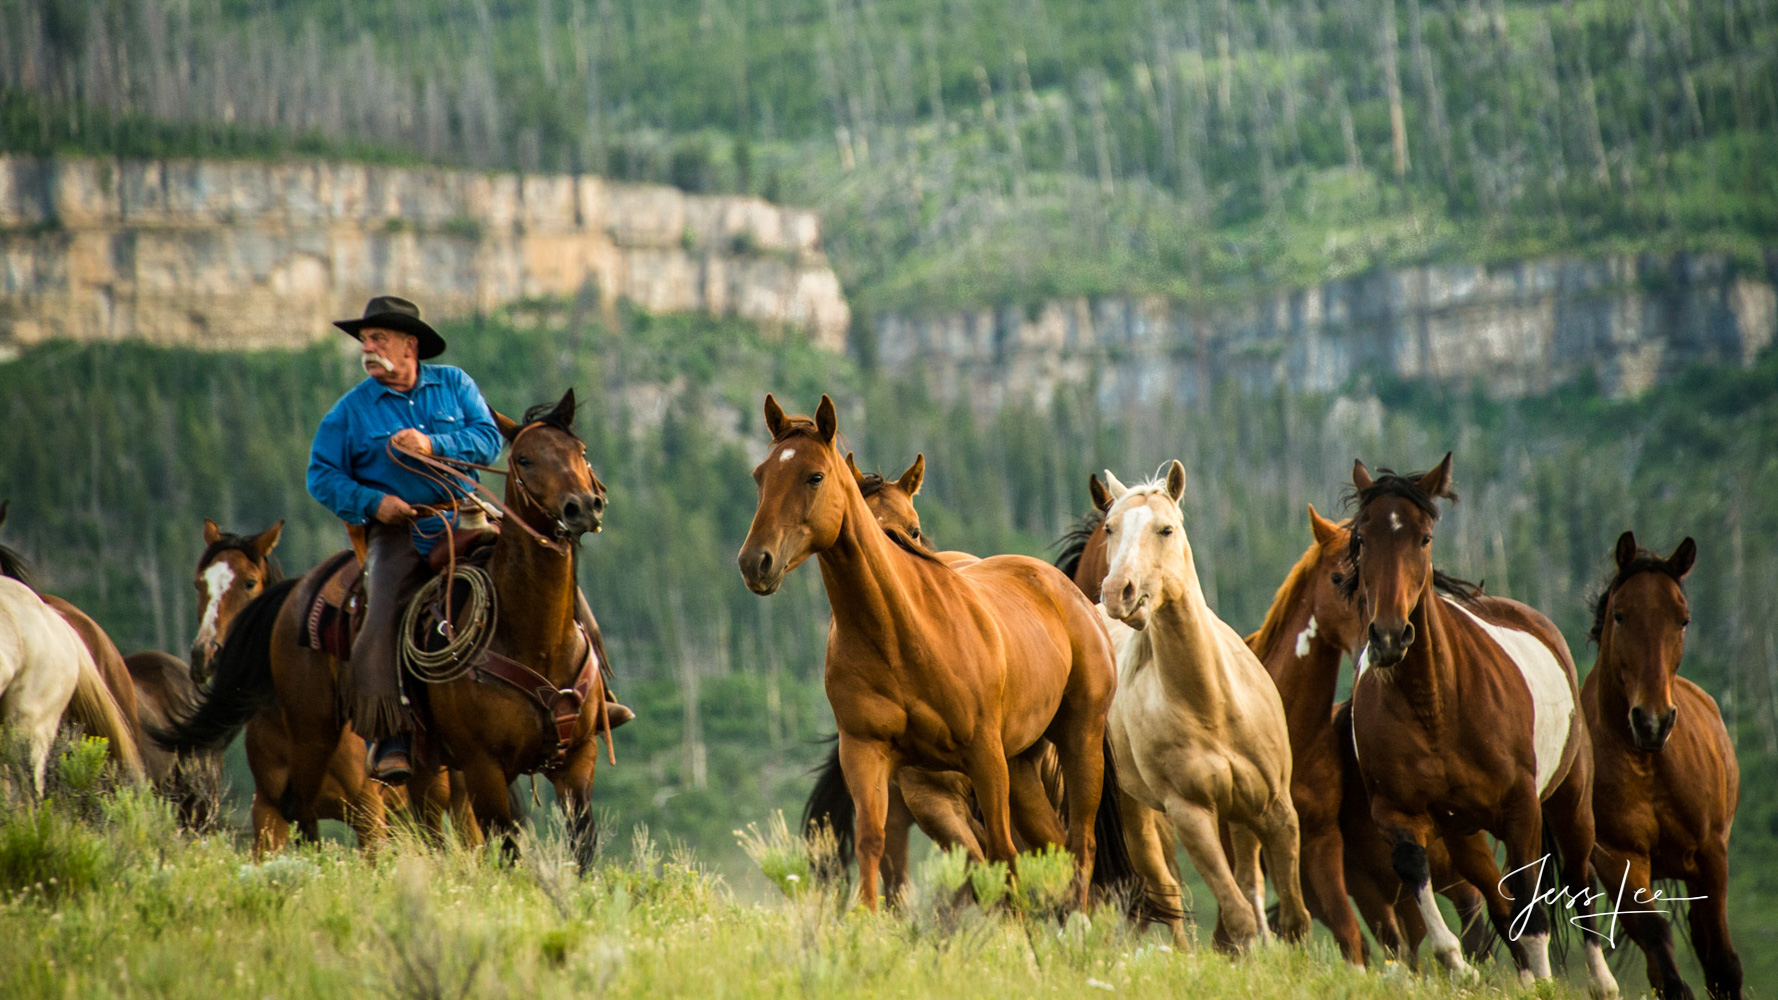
{"x":389,"y":356}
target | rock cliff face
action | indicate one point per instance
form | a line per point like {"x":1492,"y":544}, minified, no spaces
{"x":226,"y":254}
{"x":1519,"y":329}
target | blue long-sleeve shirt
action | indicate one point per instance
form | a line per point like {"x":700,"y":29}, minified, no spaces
{"x":349,"y":470}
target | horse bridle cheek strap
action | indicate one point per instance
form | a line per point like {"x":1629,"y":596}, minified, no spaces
{"x":561,"y":706}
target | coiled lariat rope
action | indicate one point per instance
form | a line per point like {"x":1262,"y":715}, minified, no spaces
{"x":465,"y":640}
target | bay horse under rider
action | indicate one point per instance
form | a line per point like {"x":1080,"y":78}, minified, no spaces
{"x":430,"y":409}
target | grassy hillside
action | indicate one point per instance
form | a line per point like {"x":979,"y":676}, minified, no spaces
{"x":984,"y":153}
{"x":126,"y":448}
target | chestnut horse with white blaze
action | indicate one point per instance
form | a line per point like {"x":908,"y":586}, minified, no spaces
{"x":1665,"y":764}
{"x":964,"y":670}
{"x":1465,"y":719}
{"x":1197,"y":725}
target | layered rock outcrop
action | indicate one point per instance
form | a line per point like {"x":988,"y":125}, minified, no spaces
{"x":1521,"y":328}
{"x":224,"y":254}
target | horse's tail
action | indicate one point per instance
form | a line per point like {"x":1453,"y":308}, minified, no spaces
{"x":1559,"y":933}
{"x":830,"y":803}
{"x":242,"y":683}
{"x":97,"y":711}
{"x":1114,"y":873}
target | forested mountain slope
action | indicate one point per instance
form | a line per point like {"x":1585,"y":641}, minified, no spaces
{"x":981,"y":153}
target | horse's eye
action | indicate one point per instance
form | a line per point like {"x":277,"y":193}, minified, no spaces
{"x":1339,"y":578}
{"x":1166,"y":530}
{"x":1686,"y":624}
{"x":916,"y":534}
{"x":524,"y":462}
{"x":1425,"y":540}
{"x":1618,"y":618}
{"x":1357,"y":540}
{"x":815,"y":480}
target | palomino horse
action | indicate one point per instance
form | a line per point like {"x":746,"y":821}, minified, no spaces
{"x":1197,"y":726}
{"x":1512,"y":760}
{"x":941,"y":803}
{"x":108,"y":712}
{"x":1665,"y":763}
{"x":1307,"y":630}
{"x":951,"y":669}
{"x":490,"y":731}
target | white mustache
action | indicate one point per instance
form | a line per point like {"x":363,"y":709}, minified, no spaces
{"x":378,"y":359}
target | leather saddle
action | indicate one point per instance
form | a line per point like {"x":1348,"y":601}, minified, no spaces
{"x":335,"y":610}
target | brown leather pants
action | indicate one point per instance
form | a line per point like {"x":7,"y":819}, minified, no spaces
{"x":372,"y":683}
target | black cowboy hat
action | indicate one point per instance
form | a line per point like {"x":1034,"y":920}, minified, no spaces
{"x":392,"y":312}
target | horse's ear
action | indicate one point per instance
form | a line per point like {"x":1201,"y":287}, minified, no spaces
{"x":910,"y":480}
{"x":267,"y":540}
{"x":1176,"y":480}
{"x":212,"y":534}
{"x":1116,"y":486}
{"x":1361,"y":476}
{"x":563,"y":414}
{"x":508,"y":426}
{"x":826,"y":420}
{"x":1325,"y":530}
{"x":1101,"y":495}
{"x":857,"y":473}
{"x":774,"y":417}
{"x":1626,"y":549}
{"x":1437,"y":483}
{"x":1680,"y":562}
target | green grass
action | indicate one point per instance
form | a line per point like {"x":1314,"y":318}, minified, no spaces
{"x":180,"y":916}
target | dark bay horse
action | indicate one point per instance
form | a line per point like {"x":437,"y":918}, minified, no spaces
{"x":192,"y":779}
{"x":491,"y":732}
{"x":1306,"y":632}
{"x":1665,"y":764}
{"x":1465,"y":719}
{"x":950,"y":669}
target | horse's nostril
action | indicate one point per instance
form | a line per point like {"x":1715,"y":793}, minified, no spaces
{"x":598,"y":504}
{"x":571,"y":510}
{"x":1129,"y":592}
{"x":1407,"y":635}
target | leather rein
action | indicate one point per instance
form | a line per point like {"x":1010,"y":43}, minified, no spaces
{"x":561,"y":706}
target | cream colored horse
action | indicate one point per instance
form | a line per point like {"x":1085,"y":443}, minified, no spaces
{"x":44,"y":665}
{"x":1197,"y":725}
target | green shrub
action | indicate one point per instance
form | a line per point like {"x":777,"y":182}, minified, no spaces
{"x":989,"y":881}
{"x":1044,"y":883}
{"x":49,"y":853}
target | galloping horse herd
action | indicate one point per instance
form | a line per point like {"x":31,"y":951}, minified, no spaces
{"x":1003,"y":703}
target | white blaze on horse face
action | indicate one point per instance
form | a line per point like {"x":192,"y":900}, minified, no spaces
{"x":787,"y":454}
{"x":1552,"y":700}
{"x":1394,"y":521}
{"x":1129,"y":533}
{"x":217,"y":577}
{"x":1303,"y":637}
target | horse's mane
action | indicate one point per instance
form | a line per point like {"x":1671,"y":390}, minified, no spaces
{"x":1073,"y":543}
{"x":14,"y":565}
{"x":871,"y":484}
{"x":243,"y":544}
{"x":1645,"y":562}
{"x":545,"y":413}
{"x":1261,"y":642}
{"x":1389,"y":484}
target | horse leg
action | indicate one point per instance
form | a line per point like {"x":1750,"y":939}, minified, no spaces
{"x":1408,"y":835}
{"x":1279,"y":831}
{"x":1378,"y":906}
{"x":867,"y":766}
{"x":428,"y":797}
{"x":1472,"y":914}
{"x":941,"y":807}
{"x":485,"y":784}
{"x":1243,"y":850}
{"x":271,"y":831}
{"x":986,"y":766}
{"x":1148,"y":854}
{"x":1033,"y":817}
{"x":1709,"y":920}
{"x":1522,"y":835}
{"x":574,"y":791}
{"x":469,"y":832}
{"x":1080,"y":749}
{"x":1650,"y":931}
{"x":1472,"y":858}
{"x":1196,"y":826}
{"x":898,"y":824}
{"x":1569,"y":813}
{"x":1324,"y":890}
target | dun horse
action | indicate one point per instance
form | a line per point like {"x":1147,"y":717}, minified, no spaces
{"x":1666,"y":766}
{"x":951,"y":669}
{"x":1464,"y":719}
{"x":489,"y":727}
{"x":1197,"y":726}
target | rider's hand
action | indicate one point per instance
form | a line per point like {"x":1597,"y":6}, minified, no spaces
{"x":412,"y":440}
{"x":393,"y":509}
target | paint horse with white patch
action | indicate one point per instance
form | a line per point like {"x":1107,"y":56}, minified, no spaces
{"x":1197,"y":726}
{"x":1464,"y":720}
{"x":1665,"y":764}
